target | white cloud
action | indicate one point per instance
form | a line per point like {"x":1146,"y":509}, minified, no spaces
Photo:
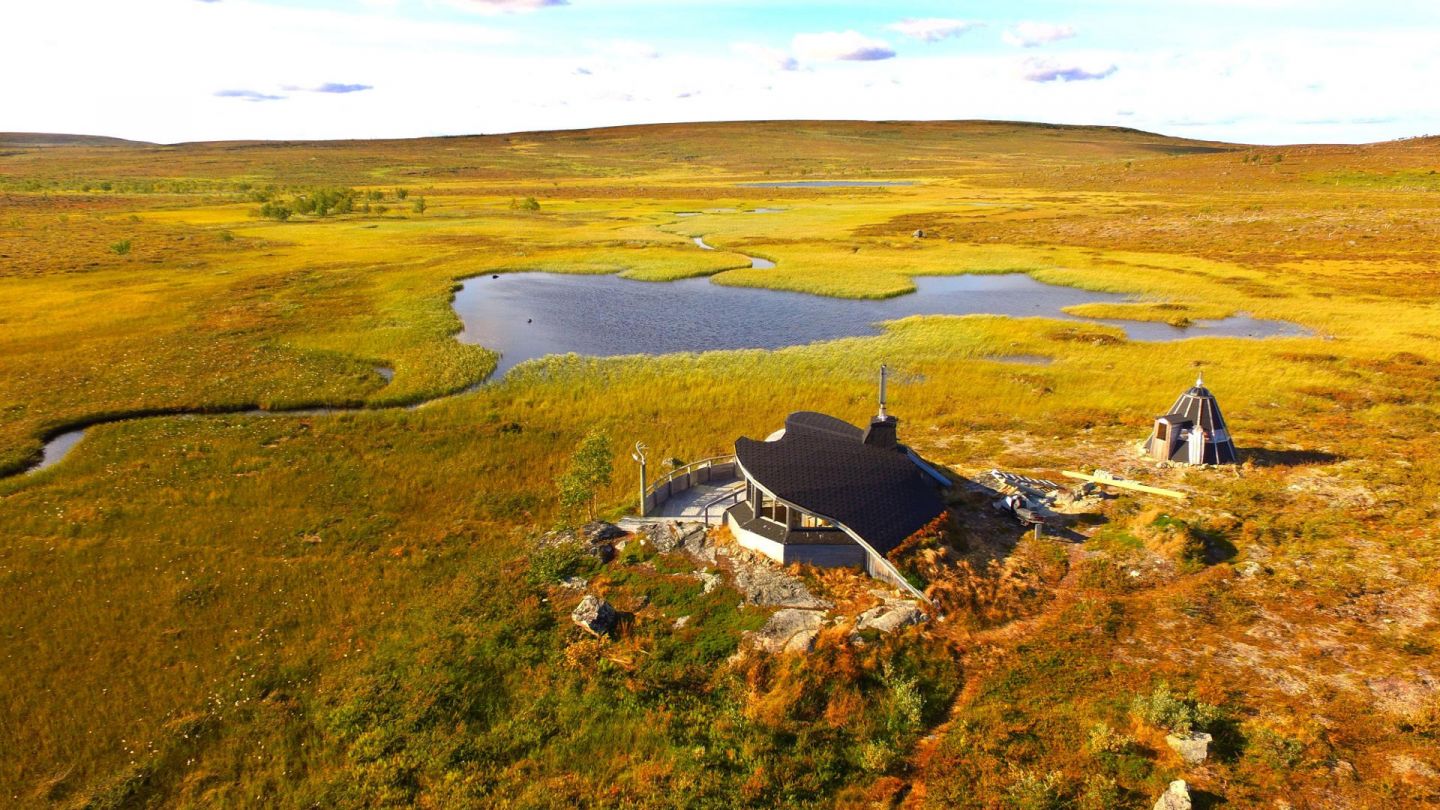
{"x":630,"y":49}
{"x":468,"y":75}
{"x":772,"y":57}
{"x":1042,"y":70}
{"x":845,"y":46}
{"x":506,"y":6}
{"x":1034,"y":34}
{"x":934,"y":29}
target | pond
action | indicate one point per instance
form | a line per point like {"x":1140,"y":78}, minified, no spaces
{"x":529,"y":315}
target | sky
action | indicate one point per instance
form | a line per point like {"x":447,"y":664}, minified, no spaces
{"x":1250,"y":71}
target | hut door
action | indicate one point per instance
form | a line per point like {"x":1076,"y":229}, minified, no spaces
{"x":1197,"y":446}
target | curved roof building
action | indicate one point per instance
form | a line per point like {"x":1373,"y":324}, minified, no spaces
{"x":824,"y":492}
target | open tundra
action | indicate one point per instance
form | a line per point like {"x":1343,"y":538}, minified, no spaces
{"x":207,"y":601}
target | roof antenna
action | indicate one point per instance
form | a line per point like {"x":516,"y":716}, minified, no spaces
{"x":1200,"y":379}
{"x":882,"y":392}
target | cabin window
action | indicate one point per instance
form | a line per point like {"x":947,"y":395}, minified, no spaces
{"x":808,"y":521}
{"x":771,"y":509}
{"x":1162,"y":431}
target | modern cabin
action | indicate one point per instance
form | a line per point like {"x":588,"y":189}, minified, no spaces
{"x":827,"y":493}
{"x":1193,"y":431}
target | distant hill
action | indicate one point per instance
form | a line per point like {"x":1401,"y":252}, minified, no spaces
{"x":34,"y":139}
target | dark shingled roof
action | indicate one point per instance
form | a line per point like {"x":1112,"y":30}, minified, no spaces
{"x":1199,"y":406}
{"x":823,"y":466}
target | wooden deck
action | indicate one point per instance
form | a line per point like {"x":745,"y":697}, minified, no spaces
{"x":699,"y":492}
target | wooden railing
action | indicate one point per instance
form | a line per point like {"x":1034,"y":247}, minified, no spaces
{"x":682,"y":478}
{"x":720,"y":504}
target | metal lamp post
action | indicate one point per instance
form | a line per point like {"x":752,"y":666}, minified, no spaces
{"x":639,"y":456}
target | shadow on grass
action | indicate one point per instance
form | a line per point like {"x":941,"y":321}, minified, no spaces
{"x":1289,"y":458}
{"x":1204,"y":800}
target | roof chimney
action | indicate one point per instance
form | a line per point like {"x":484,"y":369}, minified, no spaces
{"x":882,"y":432}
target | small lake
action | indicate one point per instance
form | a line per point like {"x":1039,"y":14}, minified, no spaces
{"x":529,"y":315}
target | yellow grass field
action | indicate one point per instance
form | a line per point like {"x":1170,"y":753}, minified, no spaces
{"x":309,"y":610}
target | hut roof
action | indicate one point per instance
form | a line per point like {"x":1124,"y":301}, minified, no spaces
{"x":822,"y":465}
{"x":1199,"y":406}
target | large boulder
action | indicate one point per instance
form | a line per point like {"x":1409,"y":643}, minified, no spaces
{"x":789,"y":630}
{"x":889,"y":617}
{"x":662,"y":536}
{"x":665,"y":537}
{"x":594,"y":615}
{"x":1176,"y":798}
{"x":1192,"y":747}
{"x":595,"y":539}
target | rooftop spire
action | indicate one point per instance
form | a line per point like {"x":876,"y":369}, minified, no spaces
{"x":1200,"y":379}
{"x":882,"y":391}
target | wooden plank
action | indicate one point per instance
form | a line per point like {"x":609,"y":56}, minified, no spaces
{"x":1107,"y":480}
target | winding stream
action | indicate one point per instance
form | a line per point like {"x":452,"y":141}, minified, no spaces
{"x":755,"y":261}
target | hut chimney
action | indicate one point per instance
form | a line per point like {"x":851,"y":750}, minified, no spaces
{"x":882,"y":432}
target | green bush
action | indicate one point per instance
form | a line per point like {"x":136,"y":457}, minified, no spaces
{"x":1035,"y":791}
{"x":1181,"y":715}
{"x":1100,"y":793}
{"x":551,"y":564}
{"x":1106,"y":740}
{"x":1275,"y":749}
{"x":121,"y":248}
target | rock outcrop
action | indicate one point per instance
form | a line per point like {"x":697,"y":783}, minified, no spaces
{"x":763,"y":583}
{"x":891,"y":616}
{"x":789,"y":630}
{"x":595,"y":539}
{"x":709,"y":580}
{"x":1176,"y":798}
{"x":1192,"y":747}
{"x":594,"y":615}
{"x":667,"y":537}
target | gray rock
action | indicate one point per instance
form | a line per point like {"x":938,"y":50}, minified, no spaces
{"x":681,"y":622}
{"x":889,"y":617}
{"x":575,"y":583}
{"x":710,"y":580}
{"x":789,"y":630}
{"x":919,"y":234}
{"x":600,"y":532}
{"x":594,"y":615}
{"x":1176,"y":798}
{"x":594,"y":539}
{"x":763,"y":583}
{"x":662,"y":536}
{"x":1249,"y":569}
{"x":697,"y":543}
{"x":1192,"y":747}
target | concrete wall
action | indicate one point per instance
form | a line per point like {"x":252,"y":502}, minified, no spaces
{"x":875,"y":568}
{"x":755,"y":542}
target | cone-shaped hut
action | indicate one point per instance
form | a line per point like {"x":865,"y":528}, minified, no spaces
{"x":1193,"y":432}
